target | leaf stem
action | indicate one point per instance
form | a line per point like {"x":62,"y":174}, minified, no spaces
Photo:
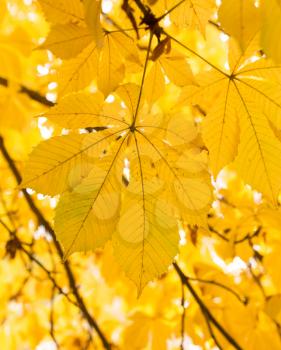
{"x":143,"y":77}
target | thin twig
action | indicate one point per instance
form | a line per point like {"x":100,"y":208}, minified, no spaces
{"x":43,"y":222}
{"x":211,"y":331}
{"x":218,"y":284}
{"x":205,"y":310}
{"x":52,"y":322}
{"x":34,"y":95}
{"x":182,"y":316}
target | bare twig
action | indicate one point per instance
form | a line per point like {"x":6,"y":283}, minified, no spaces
{"x":205,"y":310}
{"x":218,"y":284}
{"x":52,"y":323}
{"x":34,"y":95}
{"x":182,"y":315}
{"x":43,"y":222}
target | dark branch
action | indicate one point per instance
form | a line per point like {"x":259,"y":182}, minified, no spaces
{"x":43,"y":222}
{"x":205,"y":310}
{"x":182,"y":316}
{"x":34,"y":95}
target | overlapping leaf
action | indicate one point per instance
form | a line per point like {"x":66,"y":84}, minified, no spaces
{"x":134,"y":182}
{"x":90,"y":53}
{"x":240,"y":19}
{"x":240,"y":126}
{"x":192,"y":13}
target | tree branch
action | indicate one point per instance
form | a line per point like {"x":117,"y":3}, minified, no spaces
{"x":34,"y":95}
{"x":182,"y":316}
{"x":204,"y":308}
{"x":43,"y":222}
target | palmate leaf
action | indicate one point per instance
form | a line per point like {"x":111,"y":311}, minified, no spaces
{"x":240,"y":124}
{"x":89,"y":52}
{"x":128,"y":183}
{"x":105,"y":65}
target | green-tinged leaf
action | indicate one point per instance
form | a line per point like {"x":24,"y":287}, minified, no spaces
{"x":86,"y":217}
{"x":137,"y":182}
{"x":59,"y":164}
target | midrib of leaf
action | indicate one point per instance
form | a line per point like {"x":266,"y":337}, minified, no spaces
{"x":74,"y":155}
{"x":196,"y":15}
{"x":109,"y":59}
{"x":86,"y":113}
{"x":79,"y":67}
{"x":71,"y":39}
{"x":144,"y":210}
{"x":205,"y":87}
{"x":223,"y":121}
{"x":196,"y":54}
{"x":260,"y":92}
{"x":143,"y":77}
{"x":258,"y":68}
{"x":96,"y":196}
{"x":62,"y":10}
{"x":257,"y":139}
{"x":242,"y":53}
{"x":160,"y":128}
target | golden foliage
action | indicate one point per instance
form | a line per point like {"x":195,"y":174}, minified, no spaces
{"x":148,"y":134}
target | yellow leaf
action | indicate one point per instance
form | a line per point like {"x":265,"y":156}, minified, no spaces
{"x":270,"y":34}
{"x":221,"y":129}
{"x":80,"y":110}
{"x":62,"y":11}
{"x":105,"y":65}
{"x":110,"y":69}
{"x":154,"y":84}
{"x":135,"y":182}
{"x":240,"y":19}
{"x":10,"y":63}
{"x":67,"y":40}
{"x":177,"y":69}
{"x":59,"y":164}
{"x":192,"y":13}
{"x":249,"y":93}
{"x":87,"y":215}
{"x":258,"y":151}
{"x":92,"y":18}
{"x":77,"y":73}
